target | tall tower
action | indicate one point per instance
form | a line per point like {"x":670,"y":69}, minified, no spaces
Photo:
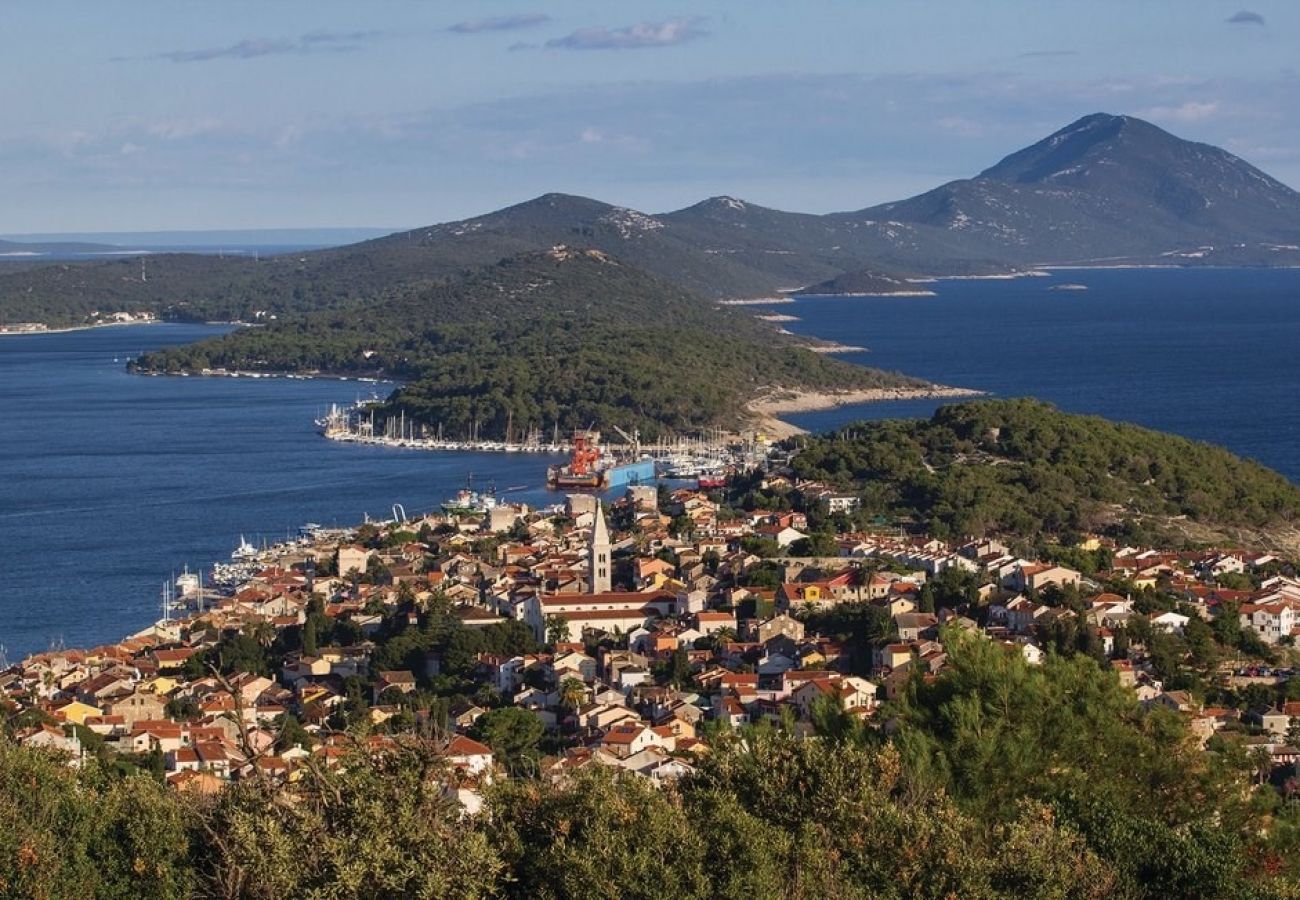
{"x":598,"y":554}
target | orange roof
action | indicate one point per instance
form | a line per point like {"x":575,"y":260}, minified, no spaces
{"x":463,"y":746}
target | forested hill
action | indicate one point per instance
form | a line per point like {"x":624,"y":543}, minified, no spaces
{"x":564,"y":336}
{"x":1023,"y":467}
{"x":1103,"y":189}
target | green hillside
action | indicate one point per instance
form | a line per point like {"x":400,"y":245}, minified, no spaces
{"x":1023,"y":467}
{"x":564,"y":337}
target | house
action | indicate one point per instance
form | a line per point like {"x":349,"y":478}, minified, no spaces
{"x":1021,"y":613}
{"x":841,"y":503}
{"x":53,"y":738}
{"x":913,"y":626}
{"x":1037,"y":577}
{"x":1170,"y":622}
{"x":574,"y":665}
{"x":627,"y":739}
{"x":163,"y":735}
{"x":208,"y":756}
{"x":778,"y":625}
{"x":172,"y":660}
{"x":1273,"y":721}
{"x":399,"y":682}
{"x":136,"y":706}
{"x":610,"y":611}
{"x":76,"y":712}
{"x":784,"y":535}
{"x":353,"y":558}
{"x":1271,"y":621}
{"x":708,"y":622}
{"x":468,"y":755}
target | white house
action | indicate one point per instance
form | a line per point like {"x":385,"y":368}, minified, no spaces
{"x":469,"y":755}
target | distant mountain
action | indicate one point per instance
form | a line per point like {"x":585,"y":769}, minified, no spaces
{"x":1106,"y":188}
{"x":680,"y":247}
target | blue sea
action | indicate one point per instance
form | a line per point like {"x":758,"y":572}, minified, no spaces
{"x":1206,"y":353}
{"x":110,"y":482}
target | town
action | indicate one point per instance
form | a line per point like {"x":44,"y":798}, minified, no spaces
{"x":535,"y":643}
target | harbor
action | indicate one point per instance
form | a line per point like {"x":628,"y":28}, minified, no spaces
{"x":593,"y":464}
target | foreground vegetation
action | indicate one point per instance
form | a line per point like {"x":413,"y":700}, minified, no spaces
{"x":564,"y":337}
{"x":997,"y":779}
{"x":1021,"y":467}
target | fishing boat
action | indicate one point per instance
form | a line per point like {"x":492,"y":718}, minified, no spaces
{"x":469,"y":502}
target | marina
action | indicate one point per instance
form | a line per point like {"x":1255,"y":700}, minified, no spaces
{"x":593,"y":464}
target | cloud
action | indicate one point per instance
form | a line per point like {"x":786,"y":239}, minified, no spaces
{"x":252,"y":48}
{"x":1245,"y":17}
{"x":500,"y":23}
{"x":1191,"y":111}
{"x":631,"y":37}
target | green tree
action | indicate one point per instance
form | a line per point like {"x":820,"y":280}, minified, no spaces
{"x":514,"y":734}
{"x":572,"y":693}
{"x":573,"y":841}
{"x":558,"y":630}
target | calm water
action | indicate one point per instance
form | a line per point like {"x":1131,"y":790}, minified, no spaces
{"x":111,"y":481}
{"x":1211,"y":354}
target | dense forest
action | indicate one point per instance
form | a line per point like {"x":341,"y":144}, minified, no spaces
{"x":997,"y":779}
{"x":1021,"y":467}
{"x":560,"y":337}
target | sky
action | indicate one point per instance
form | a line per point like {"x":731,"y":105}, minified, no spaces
{"x":129,"y":115}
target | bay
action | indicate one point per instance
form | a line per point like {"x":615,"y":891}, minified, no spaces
{"x":109,"y":482}
{"x":1207,"y":353}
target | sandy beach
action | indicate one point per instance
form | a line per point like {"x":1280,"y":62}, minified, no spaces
{"x":766,"y":409}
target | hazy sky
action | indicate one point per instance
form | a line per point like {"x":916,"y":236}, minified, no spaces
{"x":226,"y":114}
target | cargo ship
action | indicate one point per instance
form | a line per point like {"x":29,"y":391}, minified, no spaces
{"x":591,"y":469}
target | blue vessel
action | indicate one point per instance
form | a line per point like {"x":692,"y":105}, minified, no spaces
{"x":590,"y":467}
{"x":642,"y":471}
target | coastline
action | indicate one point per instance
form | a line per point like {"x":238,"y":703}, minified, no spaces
{"x":852,"y":294}
{"x":69,"y":329}
{"x":1035,"y":272}
{"x":73,"y":328}
{"x":837,"y":348}
{"x":766,"y":410}
{"x":247,"y":373}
